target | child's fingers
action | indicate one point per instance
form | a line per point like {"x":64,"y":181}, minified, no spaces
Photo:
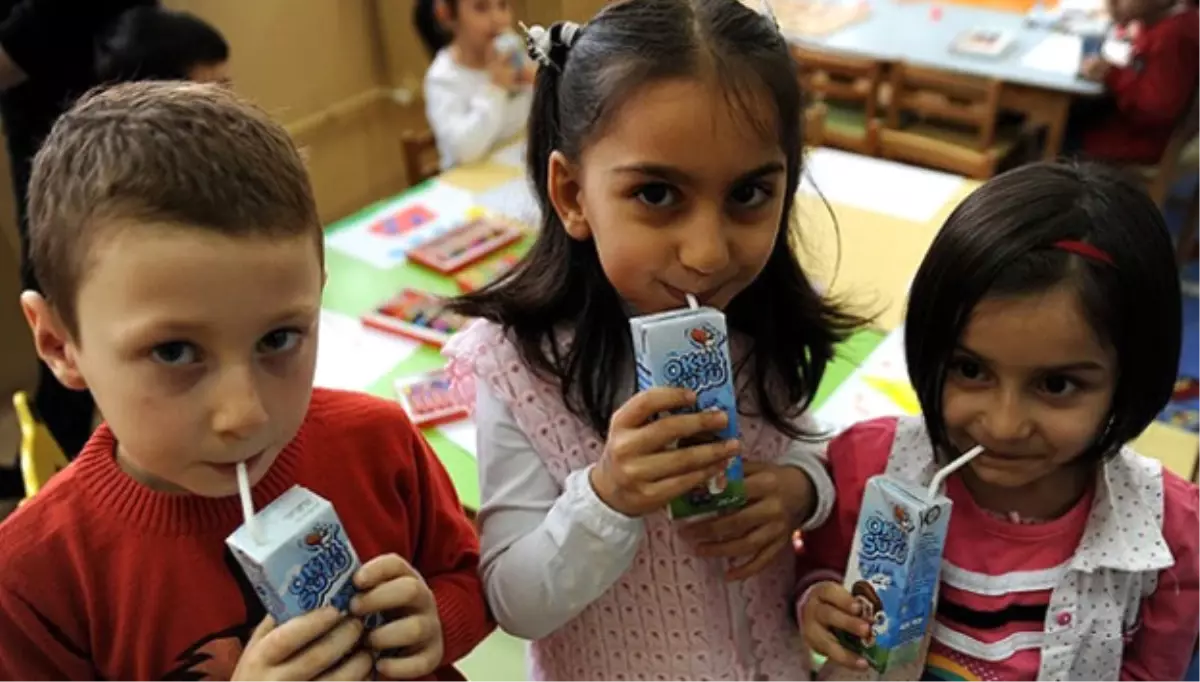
{"x":670,"y":488}
{"x":411,"y":667}
{"x":324,"y":652}
{"x":759,"y":561}
{"x":264,"y":628}
{"x":663,"y":434}
{"x":356,"y":667}
{"x":645,"y":405}
{"x":838,"y":597}
{"x":822,"y":641}
{"x":281,"y":643}
{"x":380,"y":570}
{"x":403,"y":592}
{"x":835,"y":618}
{"x":403,"y":633}
{"x":663,"y":466}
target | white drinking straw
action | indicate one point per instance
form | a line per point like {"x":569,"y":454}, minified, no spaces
{"x":940,"y":477}
{"x":248,"y":505}
{"x":692,"y":302}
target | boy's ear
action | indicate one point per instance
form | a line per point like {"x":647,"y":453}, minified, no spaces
{"x":566,"y":194}
{"x":51,"y":340}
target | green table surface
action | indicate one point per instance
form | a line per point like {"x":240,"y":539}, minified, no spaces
{"x":355,"y":287}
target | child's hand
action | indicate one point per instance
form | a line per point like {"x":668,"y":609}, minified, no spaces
{"x":830,"y":607}
{"x":317,"y":644}
{"x":640,"y":471}
{"x":1094,"y":68}
{"x":501,"y":70}
{"x":778,"y":499}
{"x":410,"y":642}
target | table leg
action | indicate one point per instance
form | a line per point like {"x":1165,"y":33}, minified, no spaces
{"x":1043,"y":108}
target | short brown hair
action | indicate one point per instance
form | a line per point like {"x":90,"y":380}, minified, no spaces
{"x":178,"y":152}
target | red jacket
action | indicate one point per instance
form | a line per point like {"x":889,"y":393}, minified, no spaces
{"x":1152,"y":93}
{"x":104,"y":579}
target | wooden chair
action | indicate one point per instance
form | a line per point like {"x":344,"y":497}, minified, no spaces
{"x":946,"y":121}
{"x":1180,"y":160}
{"x":421,"y":160}
{"x":814,"y":125}
{"x":41,"y":457}
{"x":848,"y":87}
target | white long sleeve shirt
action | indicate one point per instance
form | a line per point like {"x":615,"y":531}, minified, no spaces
{"x":469,"y":114}
{"x":547,"y":553}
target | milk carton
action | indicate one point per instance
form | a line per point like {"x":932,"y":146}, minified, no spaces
{"x":690,"y":348}
{"x":894,"y":571}
{"x":305,"y":562}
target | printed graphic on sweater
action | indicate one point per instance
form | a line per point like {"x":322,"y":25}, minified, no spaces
{"x":214,"y":656}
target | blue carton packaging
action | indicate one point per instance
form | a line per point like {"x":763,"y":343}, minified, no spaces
{"x":689,"y":348}
{"x":894,"y":572}
{"x":306,"y":561}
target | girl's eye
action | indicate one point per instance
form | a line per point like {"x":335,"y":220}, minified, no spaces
{"x":967,"y":369}
{"x":750,"y":196}
{"x":174,"y":353}
{"x":279,"y":341}
{"x":1059,"y":386}
{"x":656,"y":195}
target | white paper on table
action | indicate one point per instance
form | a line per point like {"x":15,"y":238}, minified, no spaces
{"x":1057,"y":53}
{"x":450,"y":206}
{"x":511,"y":155}
{"x":352,"y":357}
{"x":513,"y":199}
{"x":461,"y":433}
{"x":878,"y":185}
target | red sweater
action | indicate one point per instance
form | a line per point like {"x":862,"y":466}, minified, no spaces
{"x":102,"y":578}
{"x":1151,"y":94}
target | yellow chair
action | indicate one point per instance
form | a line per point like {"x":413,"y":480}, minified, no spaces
{"x":41,"y":457}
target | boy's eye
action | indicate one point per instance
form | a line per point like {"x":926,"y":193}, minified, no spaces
{"x":279,"y":341}
{"x":174,"y":353}
{"x":657,"y":195}
{"x":750,"y":196}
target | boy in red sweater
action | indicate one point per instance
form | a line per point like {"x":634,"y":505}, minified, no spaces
{"x":1150,"y":95}
{"x":176,"y":238}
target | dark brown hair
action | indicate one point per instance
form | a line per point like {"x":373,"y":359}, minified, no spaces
{"x":792,"y":328}
{"x":197,"y":155}
{"x":999,"y":242}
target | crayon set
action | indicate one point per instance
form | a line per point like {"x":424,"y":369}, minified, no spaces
{"x":417,"y":315}
{"x":485,"y":272}
{"x":468,"y":243}
{"x":430,"y":399}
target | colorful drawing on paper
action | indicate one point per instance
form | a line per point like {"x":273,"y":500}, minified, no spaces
{"x":1183,"y":412}
{"x":878,"y":388}
{"x":403,"y":222}
{"x":382,"y":237}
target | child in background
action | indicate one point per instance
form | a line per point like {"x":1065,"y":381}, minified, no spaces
{"x":1044,"y":325}
{"x":664,"y":147}
{"x":1147,"y":98}
{"x":173,"y":227}
{"x":478,"y":88}
{"x":153,"y":43}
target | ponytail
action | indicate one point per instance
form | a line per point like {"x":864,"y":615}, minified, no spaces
{"x":432,"y":33}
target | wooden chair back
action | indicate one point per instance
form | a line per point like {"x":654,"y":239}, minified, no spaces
{"x":421,"y":160}
{"x":966,"y":103}
{"x":828,"y":76}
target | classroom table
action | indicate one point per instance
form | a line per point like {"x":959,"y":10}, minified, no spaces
{"x":920,"y":33}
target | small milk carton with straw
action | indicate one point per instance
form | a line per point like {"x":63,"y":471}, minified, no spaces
{"x":295,"y":552}
{"x":894,"y":569}
{"x":689,"y":348}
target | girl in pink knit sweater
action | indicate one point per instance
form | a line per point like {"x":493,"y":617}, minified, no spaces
{"x":665,"y":153}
